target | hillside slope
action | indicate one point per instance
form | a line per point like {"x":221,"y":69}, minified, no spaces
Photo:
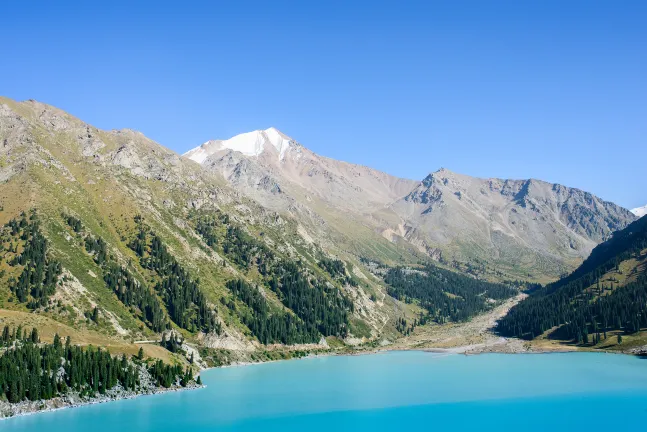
{"x":119,"y":239}
{"x":608,"y":292}
{"x":526,"y":227}
{"x":499,"y":229}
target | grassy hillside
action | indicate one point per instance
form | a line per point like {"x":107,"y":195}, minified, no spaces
{"x":601,"y":302}
{"x":93,"y":193}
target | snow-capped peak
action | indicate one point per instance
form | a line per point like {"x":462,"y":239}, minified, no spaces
{"x":640,"y":211}
{"x":249,"y":144}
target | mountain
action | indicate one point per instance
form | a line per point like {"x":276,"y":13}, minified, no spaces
{"x":606,"y":295}
{"x":273,"y":168}
{"x":502,"y":229}
{"x":518,"y":226}
{"x":640,"y":211}
{"x":110,"y":238}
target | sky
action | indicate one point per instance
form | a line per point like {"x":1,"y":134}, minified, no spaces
{"x":552,"y":90}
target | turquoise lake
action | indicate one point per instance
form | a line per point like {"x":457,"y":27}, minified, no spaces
{"x":389,"y":391}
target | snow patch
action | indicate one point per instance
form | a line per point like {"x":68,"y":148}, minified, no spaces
{"x":249,"y":143}
{"x":640,"y":211}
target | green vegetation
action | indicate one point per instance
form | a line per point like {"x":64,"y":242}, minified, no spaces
{"x":315,"y":303}
{"x":446,"y":295}
{"x":576,"y":306}
{"x":337,"y":270}
{"x":185,"y":303}
{"x":37,"y":281}
{"x":334,"y":267}
{"x":143,"y":303}
{"x":244,"y":250}
{"x":173,"y":343}
{"x":30,"y":370}
{"x":320,"y":309}
{"x":270,"y":326}
{"x":167,"y":375}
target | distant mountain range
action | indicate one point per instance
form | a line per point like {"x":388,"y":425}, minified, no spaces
{"x":510,"y":228}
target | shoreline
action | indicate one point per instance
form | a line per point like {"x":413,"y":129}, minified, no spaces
{"x":67,"y":401}
{"x":505,"y":346}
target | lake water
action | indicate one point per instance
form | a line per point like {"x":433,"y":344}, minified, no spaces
{"x":390,"y":391}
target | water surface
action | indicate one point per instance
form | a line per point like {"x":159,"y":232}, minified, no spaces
{"x":389,"y":391}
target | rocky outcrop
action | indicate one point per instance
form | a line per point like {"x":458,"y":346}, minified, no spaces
{"x":509,"y":221}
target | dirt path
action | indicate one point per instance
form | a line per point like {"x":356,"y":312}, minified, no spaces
{"x":473,"y":336}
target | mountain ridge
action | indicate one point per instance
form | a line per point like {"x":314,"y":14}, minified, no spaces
{"x":405,"y":212}
{"x":104,"y":181}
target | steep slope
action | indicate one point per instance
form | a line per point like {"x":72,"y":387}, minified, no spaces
{"x":268,"y":161}
{"x":524,"y":227}
{"x":499,"y":229}
{"x":119,"y":239}
{"x":608,"y":292}
{"x":640,"y":211}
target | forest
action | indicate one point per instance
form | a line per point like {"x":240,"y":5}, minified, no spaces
{"x":270,"y":326}
{"x":318,"y":305}
{"x":31,"y":370}
{"x":580,"y":308}
{"x":446,"y":295}
{"x":140,"y":299}
{"x":39,"y":275}
{"x":186,"y":304}
{"x":319,"y":309}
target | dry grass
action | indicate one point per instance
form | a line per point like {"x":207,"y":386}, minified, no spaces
{"x":47,"y":328}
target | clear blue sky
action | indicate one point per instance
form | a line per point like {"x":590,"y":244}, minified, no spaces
{"x":555,"y":90}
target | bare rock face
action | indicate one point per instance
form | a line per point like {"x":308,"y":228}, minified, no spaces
{"x":14,"y":138}
{"x":267,"y":163}
{"x":524,"y":224}
{"x":532,"y":219}
{"x":91,"y":144}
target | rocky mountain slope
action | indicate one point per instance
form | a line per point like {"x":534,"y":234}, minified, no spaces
{"x":518,"y":226}
{"x":110,"y":238}
{"x":503,"y":229}
{"x":273,"y":168}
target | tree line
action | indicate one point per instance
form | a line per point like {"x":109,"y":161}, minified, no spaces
{"x":576,"y":306}
{"x":186,"y":304}
{"x":337,"y":270}
{"x":139,"y":298}
{"x":269,"y":326}
{"x":321,"y":309}
{"x":446,"y":295}
{"x":40,"y":272}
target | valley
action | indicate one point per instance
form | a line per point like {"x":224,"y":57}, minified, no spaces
{"x":256,"y":249}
